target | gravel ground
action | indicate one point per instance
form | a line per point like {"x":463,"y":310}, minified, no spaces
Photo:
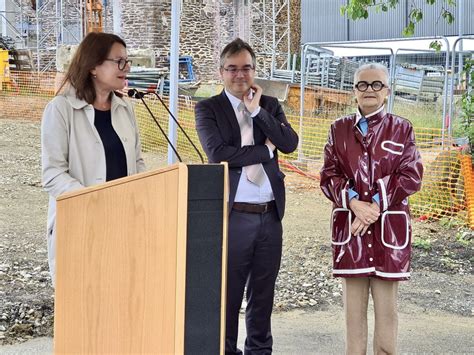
{"x":442,"y":261}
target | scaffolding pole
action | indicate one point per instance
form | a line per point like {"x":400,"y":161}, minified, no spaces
{"x":269,"y":34}
{"x":58,"y":22}
{"x":9,"y":11}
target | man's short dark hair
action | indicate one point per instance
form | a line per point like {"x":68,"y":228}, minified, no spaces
{"x":235,"y":47}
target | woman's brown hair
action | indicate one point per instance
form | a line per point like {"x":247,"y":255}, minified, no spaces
{"x":92,"y":51}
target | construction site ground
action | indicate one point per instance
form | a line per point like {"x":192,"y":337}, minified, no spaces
{"x":436,"y":306}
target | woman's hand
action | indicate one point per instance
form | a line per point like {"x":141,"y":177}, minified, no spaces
{"x":358,"y":227}
{"x":366,"y":212}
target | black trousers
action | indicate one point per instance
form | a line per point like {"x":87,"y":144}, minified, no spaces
{"x":254,"y":255}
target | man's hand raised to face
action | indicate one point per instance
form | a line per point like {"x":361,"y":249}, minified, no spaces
{"x":252,"y":98}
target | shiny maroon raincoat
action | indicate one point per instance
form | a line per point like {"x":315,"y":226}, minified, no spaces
{"x":384,"y":161}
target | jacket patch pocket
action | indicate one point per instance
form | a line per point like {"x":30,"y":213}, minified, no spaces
{"x":341,"y":221}
{"x":393,"y":147}
{"x":395,"y":229}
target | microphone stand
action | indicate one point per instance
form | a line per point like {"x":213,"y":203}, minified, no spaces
{"x":138,"y":95}
{"x":181,"y":128}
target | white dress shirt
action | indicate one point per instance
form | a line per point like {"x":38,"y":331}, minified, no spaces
{"x":246,"y":190}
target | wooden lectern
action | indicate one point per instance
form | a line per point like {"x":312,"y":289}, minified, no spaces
{"x":141,"y":264}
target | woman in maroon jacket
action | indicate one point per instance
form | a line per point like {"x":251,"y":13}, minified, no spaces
{"x":371,"y":166}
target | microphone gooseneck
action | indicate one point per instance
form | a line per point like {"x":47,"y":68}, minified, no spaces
{"x":180,"y":127}
{"x":139,"y":95}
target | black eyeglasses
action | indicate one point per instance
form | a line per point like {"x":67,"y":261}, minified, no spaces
{"x":122,"y":62}
{"x":375,"y":85}
{"x":235,"y":71}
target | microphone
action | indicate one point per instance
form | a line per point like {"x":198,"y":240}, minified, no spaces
{"x":142,"y":94}
{"x":135,"y":94}
{"x":139,"y":95}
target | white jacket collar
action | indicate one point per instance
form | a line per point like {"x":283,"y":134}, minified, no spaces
{"x":78,"y":104}
{"x":359,"y":115}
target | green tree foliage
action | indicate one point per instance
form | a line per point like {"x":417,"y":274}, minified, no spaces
{"x":359,"y":9}
{"x":467,"y":103}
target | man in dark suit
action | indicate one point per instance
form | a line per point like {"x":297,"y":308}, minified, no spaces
{"x":246,"y":129}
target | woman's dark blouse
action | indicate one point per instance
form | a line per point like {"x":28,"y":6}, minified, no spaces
{"x":115,"y":159}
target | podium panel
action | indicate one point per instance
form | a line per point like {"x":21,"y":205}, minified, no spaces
{"x":141,"y":264}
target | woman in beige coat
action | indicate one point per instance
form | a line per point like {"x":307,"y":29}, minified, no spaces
{"x":89,"y":134}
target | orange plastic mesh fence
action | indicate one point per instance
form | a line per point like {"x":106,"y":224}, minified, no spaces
{"x":444,"y":187}
{"x":442,"y":194}
{"x":467,"y":172}
{"x":26,"y":94}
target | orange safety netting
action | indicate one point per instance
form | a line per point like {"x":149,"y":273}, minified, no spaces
{"x":467,"y":172}
{"x":447,"y":184}
{"x":24,"y":94}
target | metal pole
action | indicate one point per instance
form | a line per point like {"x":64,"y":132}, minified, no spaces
{"x":104,"y":14}
{"x":81,"y":19}
{"x":174,"y":71}
{"x":453,"y":66}
{"x":348,"y":34}
{"x":392,"y":83}
{"x":3,"y":18}
{"x":60,"y":31}
{"x":293,"y":68}
{"x":302,"y":86}
{"x":445,"y":96}
{"x":21,"y":25}
{"x":38,"y":37}
{"x":117,"y":16}
{"x":266,"y":40}
{"x":460,"y":33}
{"x":272,"y":68}
{"x":288,"y":28}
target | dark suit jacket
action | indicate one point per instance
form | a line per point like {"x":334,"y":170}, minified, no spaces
{"x":219,"y":133}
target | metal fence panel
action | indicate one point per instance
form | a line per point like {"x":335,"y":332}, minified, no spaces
{"x":444,"y":184}
{"x":420,"y":89}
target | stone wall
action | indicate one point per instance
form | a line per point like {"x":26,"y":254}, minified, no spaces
{"x":203,"y":30}
{"x":147,"y":24}
{"x":295,"y":26}
{"x":206,"y":27}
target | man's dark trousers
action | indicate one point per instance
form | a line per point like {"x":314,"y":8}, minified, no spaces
{"x":254,"y":255}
